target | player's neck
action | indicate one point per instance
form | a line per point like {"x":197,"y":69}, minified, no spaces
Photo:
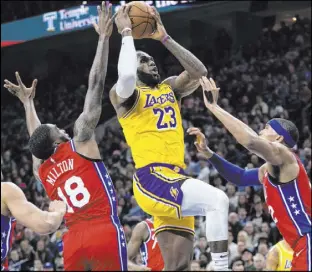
{"x":139,"y":83}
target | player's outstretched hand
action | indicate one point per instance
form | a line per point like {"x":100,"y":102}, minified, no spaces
{"x":210,"y":91}
{"x":57,"y":206}
{"x":105,"y":26}
{"x":201,"y":142}
{"x":122,"y":20}
{"x":20,"y":90}
{"x":160,"y":31}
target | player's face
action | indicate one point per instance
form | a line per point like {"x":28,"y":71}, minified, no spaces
{"x":147,"y":69}
{"x":268,"y":133}
{"x":58,"y":135}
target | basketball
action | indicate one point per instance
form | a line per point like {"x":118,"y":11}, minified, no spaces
{"x":143,"y":24}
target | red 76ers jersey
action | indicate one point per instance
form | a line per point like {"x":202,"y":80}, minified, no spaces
{"x":290,"y":205}
{"x":84,"y":185}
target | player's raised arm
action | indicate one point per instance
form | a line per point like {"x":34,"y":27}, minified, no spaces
{"x":187,"y":81}
{"x":127,"y":62}
{"x":26,"y":96}
{"x":273,"y":152}
{"x":229,"y":171}
{"x":87,"y":121}
{"x":29,"y":215}
{"x":137,"y":238}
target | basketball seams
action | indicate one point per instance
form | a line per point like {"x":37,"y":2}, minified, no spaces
{"x":137,"y":16}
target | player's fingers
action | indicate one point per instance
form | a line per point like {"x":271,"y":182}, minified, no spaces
{"x":104,"y":8}
{"x":110,"y":10}
{"x":192,"y":129}
{"x":34,"y":84}
{"x":96,"y":27}
{"x":99,"y":11}
{"x":213,"y":83}
{"x":10,"y":83}
{"x":126,"y":10}
{"x":18,"y":78}
{"x":207,"y":83}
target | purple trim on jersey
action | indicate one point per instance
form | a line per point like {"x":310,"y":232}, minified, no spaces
{"x":309,"y":252}
{"x":72,"y":144}
{"x":300,"y":202}
{"x":6,"y":228}
{"x":144,"y":253}
{"x":143,"y":247}
{"x":296,"y":211}
{"x":111,"y":195}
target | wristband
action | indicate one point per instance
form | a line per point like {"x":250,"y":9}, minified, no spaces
{"x":125,"y":29}
{"x":164,"y":39}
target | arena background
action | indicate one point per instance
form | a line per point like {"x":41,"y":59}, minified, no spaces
{"x":259,"y":53}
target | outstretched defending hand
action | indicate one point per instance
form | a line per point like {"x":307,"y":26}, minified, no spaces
{"x":20,"y":90}
{"x":105,"y":26}
{"x":201,"y":142}
{"x":210,"y":91}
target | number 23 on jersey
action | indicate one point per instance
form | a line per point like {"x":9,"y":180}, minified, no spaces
{"x":163,"y":114}
{"x":77,"y":195}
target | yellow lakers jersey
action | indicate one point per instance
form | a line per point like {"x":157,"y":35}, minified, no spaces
{"x":285,"y":254}
{"x":153,"y":127}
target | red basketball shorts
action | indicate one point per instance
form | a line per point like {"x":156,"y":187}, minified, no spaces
{"x":95,"y":246}
{"x":302,"y":254}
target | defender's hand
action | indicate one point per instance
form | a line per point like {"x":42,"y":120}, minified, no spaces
{"x":57,"y":206}
{"x":105,"y":26}
{"x":20,"y":90}
{"x":201,"y":143}
{"x":122,"y":20}
{"x":160,"y":31}
{"x":210,"y":91}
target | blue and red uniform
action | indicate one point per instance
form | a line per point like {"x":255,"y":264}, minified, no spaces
{"x":95,"y":239}
{"x":7,"y":227}
{"x":150,"y":251}
{"x":290,"y":208}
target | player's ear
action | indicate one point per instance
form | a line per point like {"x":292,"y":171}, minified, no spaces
{"x":279,"y":138}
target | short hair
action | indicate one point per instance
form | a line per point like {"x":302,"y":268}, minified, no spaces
{"x":41,"y":145}
{"x":236,"y":259}
{"x":290,"y":127}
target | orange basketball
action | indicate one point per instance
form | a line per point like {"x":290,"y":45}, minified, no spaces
{"x":143,"y":24}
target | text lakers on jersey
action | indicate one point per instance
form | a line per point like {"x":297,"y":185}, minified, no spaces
{"x":153,"y":127}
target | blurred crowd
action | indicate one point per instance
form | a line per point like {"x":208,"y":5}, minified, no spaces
{"x":268,"y":78}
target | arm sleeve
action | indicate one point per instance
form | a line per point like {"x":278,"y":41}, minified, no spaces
{"x":127,"y":68}
{"x":235,"y":174}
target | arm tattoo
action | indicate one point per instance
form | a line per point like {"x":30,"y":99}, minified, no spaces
{"x":88,"y":120}
{"x":188,"y":81}
{"x":190,"y":63}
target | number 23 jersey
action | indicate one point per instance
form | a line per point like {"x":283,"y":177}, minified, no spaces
{"x":84,"y":185}
{"x":153,"y":127}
